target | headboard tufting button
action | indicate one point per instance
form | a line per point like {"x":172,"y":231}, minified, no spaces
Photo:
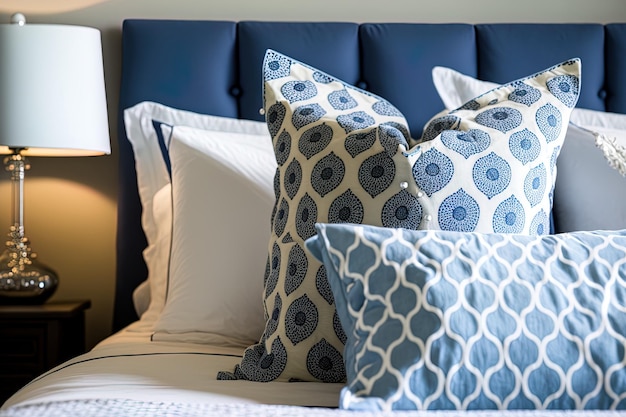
{"x":235,"y":91}
{"x":362,"y":85}
{"x":602,"y":94}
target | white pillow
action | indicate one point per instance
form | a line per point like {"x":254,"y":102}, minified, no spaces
{"x":153,"y":175}
{"x":589,"y":194}
{"x":223,"y":195}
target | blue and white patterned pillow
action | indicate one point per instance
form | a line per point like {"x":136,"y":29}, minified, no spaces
{"x":346,"y":156}
{"x":451,"y":320}
{"x":491,"y":164}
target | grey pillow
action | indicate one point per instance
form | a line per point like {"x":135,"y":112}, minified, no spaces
{"x":589,"y":194}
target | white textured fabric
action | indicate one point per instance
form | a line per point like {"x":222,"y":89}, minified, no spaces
{"x":128,"y":408}
{"x":152,"y":176}
{"x":222,"y":198}
{"x":129,"y":366}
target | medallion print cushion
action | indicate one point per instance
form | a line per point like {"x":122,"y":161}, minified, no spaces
{"x":452,"y":320}
{"x":346,"y":156}
{"x":506,"y":141}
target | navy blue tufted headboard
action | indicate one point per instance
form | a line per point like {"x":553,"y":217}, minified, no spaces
{"x":214,"y":67}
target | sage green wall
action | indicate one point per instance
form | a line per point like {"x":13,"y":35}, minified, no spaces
{"x":71,"y":203}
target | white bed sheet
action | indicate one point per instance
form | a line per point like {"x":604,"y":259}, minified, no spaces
{"x":129,"y":366}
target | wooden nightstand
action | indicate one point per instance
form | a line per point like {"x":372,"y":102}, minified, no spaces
{"x":35,"y":338}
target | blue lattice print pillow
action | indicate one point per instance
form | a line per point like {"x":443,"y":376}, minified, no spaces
{"x":449,"y":320}
{"x":346,"y":156}
{"x":507,"y":142}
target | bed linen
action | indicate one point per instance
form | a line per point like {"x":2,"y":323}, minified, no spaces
{"x":129,"y":367}
{"x":126,"y":375}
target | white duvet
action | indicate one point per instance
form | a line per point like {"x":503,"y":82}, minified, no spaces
{"x":129,"y":366}
{"x":127,"y":375}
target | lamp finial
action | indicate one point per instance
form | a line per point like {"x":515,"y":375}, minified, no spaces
{"x":18,"y":18}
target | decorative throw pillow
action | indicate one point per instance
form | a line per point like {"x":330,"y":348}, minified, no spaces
{"x":345,"y":156}
{"x":593,"y":139}
{"x":491,"y":163}
{"x":449,"y":320}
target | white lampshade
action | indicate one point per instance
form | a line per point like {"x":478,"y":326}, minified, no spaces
{"x":52,"y":95}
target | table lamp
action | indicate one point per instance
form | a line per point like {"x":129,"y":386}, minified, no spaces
{"x":52,"y":103}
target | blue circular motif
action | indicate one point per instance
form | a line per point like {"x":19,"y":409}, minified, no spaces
{"x":272,"y":279}
{"x":459,"y":212}
{"x":566,"y":88}
{"x":355,"y":121}
{"x":325,"y":362}
{"x":276,"y":184}
{"x":327,"y":174}
{"x":535,"y":185}
{"x":306,"y":217}
{"x":322,"y":285}
{"x":276,"y":66}
{"x":342,"y":100}
{"x":357,"y":143}
{"x":274,"y":117}
{"x":280,"y":219}
{"x":553,"y":159}
{"x":384,"y":108}
{"x":298,"y":90}
{"x":315,"y":140}
{"x":376,"y":173}
{"x":509,"y":216}
{"x":259,"y":365}
{"x":282,"y":147}
{"x":539,"y":225}
{"x":549,"y":120}
{"x":307,"y":114}
{"x":491,"y":174}
{"x":347,"y":208}
{"x":392,"y":134}
{"x":470,"y":105}
{"x":297,"y":265}
{"x":301,"y":319}
{"x":338,"y":328}
{"x":402,"y":210}
{"x":438,"y":125}
{"x":273,"y":320}
{"x":524,"y":94}
{"x":322,"y":78}
{"x":524,"y":146}
{"x":466,"y":143}
{"x":432,"y":171}
{"x":500,"y":118}
{"x":293,"y":178}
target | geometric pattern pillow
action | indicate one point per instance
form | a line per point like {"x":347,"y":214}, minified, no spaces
{"x":516,"y":132}
{"x":345,"y":156}
{"x":337,"y":149}
{"x":449,"y":320}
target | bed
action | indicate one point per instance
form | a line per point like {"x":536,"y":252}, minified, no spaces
{"x":207,"y":321}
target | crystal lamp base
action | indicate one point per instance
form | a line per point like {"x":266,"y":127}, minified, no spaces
{"x":31,"y":283}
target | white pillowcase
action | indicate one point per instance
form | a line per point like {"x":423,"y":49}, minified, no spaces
{"x":222,"y":199}
{"x":589,"y":194}
{"x":152,"y":176}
